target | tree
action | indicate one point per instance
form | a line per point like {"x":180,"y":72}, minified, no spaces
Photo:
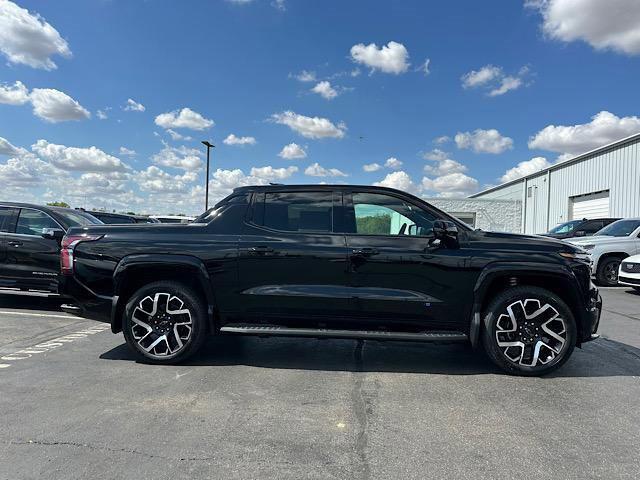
{"x":374,"y":224}
{"x":58,"y":204}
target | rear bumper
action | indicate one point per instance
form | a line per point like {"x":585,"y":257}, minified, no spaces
{"x":86,"y":303}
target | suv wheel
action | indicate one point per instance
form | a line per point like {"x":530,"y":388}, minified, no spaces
{"x":165,"y":322}
{"x":528,"y":331}
{"x":607,"y":273}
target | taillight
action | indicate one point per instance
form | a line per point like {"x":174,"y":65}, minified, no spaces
{"x":69,"y":242}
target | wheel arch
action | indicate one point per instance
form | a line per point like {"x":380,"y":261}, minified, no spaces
{"x":498,"y":277}
{"x":135,"y":271}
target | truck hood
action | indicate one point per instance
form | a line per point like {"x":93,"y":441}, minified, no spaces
{"x":597,"y":240}
{"x":516,"y":241}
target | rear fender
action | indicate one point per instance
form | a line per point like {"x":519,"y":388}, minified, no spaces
{"x":127,"y":269}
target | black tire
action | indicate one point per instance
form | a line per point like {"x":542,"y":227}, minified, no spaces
{"x":176,"y":308}
{"x":607,"y":272}
{"x":530,"y":305}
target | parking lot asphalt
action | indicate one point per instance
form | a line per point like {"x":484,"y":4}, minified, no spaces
{"x":75,"y":404}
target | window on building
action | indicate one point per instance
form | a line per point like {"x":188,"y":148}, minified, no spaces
{"x":467,"y":217}
{"x":31,"y":222}
{"x":298,"y":211}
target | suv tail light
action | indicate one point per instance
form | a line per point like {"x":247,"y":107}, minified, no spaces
{"x":69,"y":242}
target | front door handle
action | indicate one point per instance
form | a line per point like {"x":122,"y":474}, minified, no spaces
{"x":14,"y":243}
{"x":260,"y":250}
{"x":364,"y":252}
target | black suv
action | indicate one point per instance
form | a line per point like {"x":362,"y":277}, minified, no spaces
{"x":579,"y":228}
{"x":333,"y":261}
{"x":30,"y":238}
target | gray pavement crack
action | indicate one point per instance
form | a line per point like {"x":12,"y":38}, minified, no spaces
{"x":360,"y":411}
{"x":102,"y":448}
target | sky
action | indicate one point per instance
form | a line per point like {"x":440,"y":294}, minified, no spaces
{"x":104,"y":103}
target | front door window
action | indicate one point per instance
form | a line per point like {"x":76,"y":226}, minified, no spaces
{"x":377,"y":214}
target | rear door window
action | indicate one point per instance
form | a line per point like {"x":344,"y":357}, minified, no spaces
{"x":6,"y":217}
{"x":31,"y":222}
{"x":296,"y":211}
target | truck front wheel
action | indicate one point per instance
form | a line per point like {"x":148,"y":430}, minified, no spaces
{"x":165,"y":322}
{"x":528,"y":331}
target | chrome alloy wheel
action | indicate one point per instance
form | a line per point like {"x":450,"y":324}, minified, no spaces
{"x":160,"y":325}
{"x":531,"y":334}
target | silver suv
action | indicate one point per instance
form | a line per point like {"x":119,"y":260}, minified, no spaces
{"x":609,"y":246}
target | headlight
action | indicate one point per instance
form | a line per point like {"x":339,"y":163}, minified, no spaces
{"x":591,"y":246}
{"x":577,"y":255}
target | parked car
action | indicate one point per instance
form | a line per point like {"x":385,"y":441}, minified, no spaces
{"x":173,"y":218}
{"x":609,"y":246}
{"x":333,"y":261}
{"x":121,"y":218}
{"x":30,"y":238}
{"x":579,"y":228}
{"x":629,"y":272}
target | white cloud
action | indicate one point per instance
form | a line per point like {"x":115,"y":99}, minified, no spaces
{"x":483,"y":141}
{"x":178,"y":157}
{"x":233,"y":140}
{"x":605,"y":127}
{"x":310,"y":127}
{"x":390,"y":58}
{"x":16,"y":94}
{"x":399,"y":180}
{"x":6,"y":148}
{"x":127,"y":152}
{"x":292,"y":151}
{"x":525,"y":168}
{"x":605,"y":25}
{"x":424,"y":67}
{"x":493,"y":79}
{"x":185,"y":118}
{"x":269,"y":173}
{"x":55,"y":106}
{"x":304,"y":76}
{"x":325,"y":90}
{"x":393,"y":163}
{"x":443,"y":164}
{"x":154,"y":179}
{"x":27,"y":39}
{"x":102,"y":115}
{"x":177,"y":136}
{"x":476,"y":78}
{"x":28,"y":171}
{"x":279,"y":5}
{"x":441,"y":140}
{"x":317,"y":170}
{"x":133,"y":106}
{"x":90,"y":159}
{"x":451,"y":185}
{"x":371,"y":167}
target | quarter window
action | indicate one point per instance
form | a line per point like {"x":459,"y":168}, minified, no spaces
{"x":377,"y":214}
{"x":31,"y":222}
{"x":296,"y":211}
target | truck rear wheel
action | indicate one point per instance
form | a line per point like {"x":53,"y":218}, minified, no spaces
{"x":528,"y":331}
{"x":165,"y":322}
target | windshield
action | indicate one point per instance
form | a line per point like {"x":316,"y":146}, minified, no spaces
{"x":77,"y":218}
{"x":565,"y":227}
{"x":621,"y":228}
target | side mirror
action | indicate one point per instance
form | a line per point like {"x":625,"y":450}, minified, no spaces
{"x":580,"y":233}
{"x":447,"y":232}
{"x":52,"y":234}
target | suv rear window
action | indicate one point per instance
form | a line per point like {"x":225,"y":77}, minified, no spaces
{"x":296,"y":211}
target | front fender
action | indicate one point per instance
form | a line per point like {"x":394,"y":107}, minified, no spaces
{"x":134,"y":262}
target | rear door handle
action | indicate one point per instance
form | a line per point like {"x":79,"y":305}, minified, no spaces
{"x":14,"y":243}
{"x":260,"y":250}
{"x":364,"y":252}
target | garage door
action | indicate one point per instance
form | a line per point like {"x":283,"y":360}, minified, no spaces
{"x":593,"y":205}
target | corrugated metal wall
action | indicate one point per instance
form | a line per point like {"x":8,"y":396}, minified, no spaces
{"x":616,"y":170}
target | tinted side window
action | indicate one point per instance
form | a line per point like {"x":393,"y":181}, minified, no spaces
{"x":592,"y":226}
{"x":5,"y":218}
{"x":298,"y":211}
{"x":31,"y":222}
{"x":377,"y":214}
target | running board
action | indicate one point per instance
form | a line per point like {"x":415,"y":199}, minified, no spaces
{"x":269,"y":330}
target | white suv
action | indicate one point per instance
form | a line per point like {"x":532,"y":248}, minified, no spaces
{"x":609,"y":246}
{"x":629,"y":273}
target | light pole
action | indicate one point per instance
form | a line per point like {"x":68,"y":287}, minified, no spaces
{"x":209,"y":146}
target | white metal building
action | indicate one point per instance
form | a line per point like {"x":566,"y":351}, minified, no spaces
{"x":604,"y":182}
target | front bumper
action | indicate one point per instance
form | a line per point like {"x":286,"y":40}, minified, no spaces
{"x":593,"y":313}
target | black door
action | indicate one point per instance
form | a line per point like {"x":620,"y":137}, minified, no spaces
{"x":292,"y":267}
{"x":402,"y":277}
{"x":7,"y":215}
{"x":31,"y":260}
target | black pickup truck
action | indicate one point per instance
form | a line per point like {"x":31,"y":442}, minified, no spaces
{"x":351,"y":262}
